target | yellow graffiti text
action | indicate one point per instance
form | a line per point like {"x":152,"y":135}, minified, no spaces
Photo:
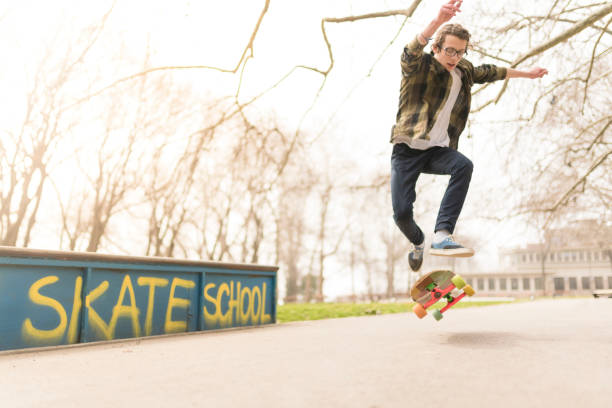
{"x":95,"y":321}
{"x":173,"y":302}
{"x":131,"y":311}
{"x":53,"y":336}
{"x":122,"y":311}
{"x":241,"y":305}
{"x":152,"y":283}
{"x":76,"y":311}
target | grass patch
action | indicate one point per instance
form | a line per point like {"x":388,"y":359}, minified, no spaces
{"x":295,"y":312}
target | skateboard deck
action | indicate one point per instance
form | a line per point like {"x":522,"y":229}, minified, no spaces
{"x":435,"y":286}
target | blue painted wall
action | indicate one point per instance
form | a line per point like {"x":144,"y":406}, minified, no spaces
{"x":55,"y":298}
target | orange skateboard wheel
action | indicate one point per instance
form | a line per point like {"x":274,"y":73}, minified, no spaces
{"x":419,"y":310}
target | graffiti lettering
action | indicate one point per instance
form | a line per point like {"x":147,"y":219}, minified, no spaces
{"x":177,"y":326}
{"x":95,"y":321}
{"x":53,"y":335}
{"x":152,"y":283}
{"x":28,"y":328}
{"x":131,"y":311}
{"x":241,"y":306}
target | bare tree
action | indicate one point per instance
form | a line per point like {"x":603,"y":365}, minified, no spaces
{"x":170,"y":193}
{"x":396,"y":251}
{"x":568,"y":118}
{"x":27,"y":160}
{"x":292,"y":226}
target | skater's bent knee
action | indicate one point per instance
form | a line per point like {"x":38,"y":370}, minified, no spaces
{"x":465,"y":166}
{"x":403,"y":215}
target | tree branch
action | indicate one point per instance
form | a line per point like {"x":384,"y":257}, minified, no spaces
{"x":403,"y":12}
{"x":242,"y":60}
{"x":577,"y":28}
{"x":586,"y":81}
{"x":563,"y":200}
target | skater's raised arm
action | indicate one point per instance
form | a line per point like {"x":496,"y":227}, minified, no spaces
{"x":414,"y":49}
{"x":446,"y":13}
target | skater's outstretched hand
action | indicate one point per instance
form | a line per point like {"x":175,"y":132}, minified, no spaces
{"x":536,"y":72}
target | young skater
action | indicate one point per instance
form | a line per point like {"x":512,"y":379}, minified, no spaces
{"x":434,"y":104}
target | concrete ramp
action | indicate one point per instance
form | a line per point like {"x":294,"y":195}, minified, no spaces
{"x":50,"y":298}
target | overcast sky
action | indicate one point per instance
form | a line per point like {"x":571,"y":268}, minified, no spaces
{"x":190,"y":32}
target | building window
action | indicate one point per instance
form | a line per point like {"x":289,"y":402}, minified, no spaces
{"x":609,"y":282}
{"x":588,"y":255}
{"x":581,"y":256}
{"x":559,"y":284}
{"x":502,"y":284}
{"x":526,"y":282}
{"x":586,"y":282}
{"x":514,"y":283}
{"x":573,"y":284}
{"x":596,"y":256}
{"x":538,"y":283}
{"x":481,"y":282}
{"x":491,"y":284}
{"x":524,"y":258}
{"x":470,"y":282}
{"x":574,"y":257}
{"x":598,"y":282}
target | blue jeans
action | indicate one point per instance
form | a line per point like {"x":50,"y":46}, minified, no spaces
{"x":406,"y":166}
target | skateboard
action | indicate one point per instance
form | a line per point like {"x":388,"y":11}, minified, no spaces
{"x":435,"y":286}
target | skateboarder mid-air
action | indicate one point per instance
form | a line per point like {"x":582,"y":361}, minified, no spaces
{"x":434,"y":104}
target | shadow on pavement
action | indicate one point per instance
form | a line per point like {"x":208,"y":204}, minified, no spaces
{"x":483,"y":339}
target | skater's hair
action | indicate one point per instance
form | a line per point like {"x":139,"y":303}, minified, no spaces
{"x":451,"y":29}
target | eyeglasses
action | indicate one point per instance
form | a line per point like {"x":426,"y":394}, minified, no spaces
{"x":451,"y":52}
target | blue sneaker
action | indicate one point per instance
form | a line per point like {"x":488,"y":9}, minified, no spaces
{"x":448,"y":247}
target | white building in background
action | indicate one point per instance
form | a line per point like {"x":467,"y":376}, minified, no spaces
{"x":573,"y":261}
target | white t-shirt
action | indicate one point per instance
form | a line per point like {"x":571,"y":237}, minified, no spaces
{"x":438,"y":136}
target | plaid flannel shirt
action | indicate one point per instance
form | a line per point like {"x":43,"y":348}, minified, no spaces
{"x":425,"y":88}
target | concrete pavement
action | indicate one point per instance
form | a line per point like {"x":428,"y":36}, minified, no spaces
{"x":533,"y":354}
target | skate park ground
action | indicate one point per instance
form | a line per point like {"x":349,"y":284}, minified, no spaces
{"x":529,"y":354}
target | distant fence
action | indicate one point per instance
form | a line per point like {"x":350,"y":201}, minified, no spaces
{"x":50,"y":298}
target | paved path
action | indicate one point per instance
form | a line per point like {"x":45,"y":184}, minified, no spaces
{"x":534,"y":354}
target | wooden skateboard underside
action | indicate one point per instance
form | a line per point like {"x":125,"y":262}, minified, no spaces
{"x":441,"y":278}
